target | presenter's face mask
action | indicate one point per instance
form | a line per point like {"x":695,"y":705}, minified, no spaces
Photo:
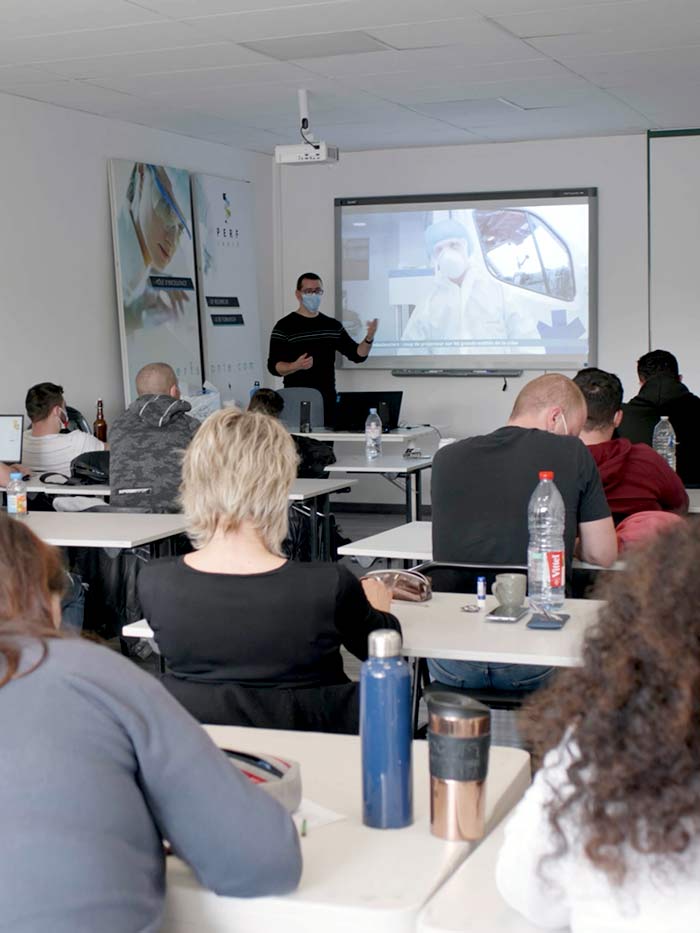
{"x":451,"y":260}
{"x":311,"y":302}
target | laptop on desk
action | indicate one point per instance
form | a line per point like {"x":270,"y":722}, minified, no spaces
{"x":11,"y":437}
{"x":352,"y":409}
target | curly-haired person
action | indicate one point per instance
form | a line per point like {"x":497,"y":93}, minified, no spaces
{"x":608,"y":836}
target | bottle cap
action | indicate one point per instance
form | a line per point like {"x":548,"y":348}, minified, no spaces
{"x":15,"y":476}
{"x":546,"y":474}
{"x":384,"y":643}
{"x":373,"y":411}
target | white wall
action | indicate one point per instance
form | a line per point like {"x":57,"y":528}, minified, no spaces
{"x":57,"y":292}
{"x":615,"y":165}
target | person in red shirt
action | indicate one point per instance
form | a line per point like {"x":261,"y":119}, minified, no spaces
{"x":635,"y":478}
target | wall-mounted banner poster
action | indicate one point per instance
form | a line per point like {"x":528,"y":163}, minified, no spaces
{"x":228,"y":298}
{"x":155,"y":271}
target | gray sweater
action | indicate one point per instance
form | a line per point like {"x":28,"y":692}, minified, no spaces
{"x":98,"y":764}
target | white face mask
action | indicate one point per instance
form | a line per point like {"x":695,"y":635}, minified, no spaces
{"x":451,"y":263}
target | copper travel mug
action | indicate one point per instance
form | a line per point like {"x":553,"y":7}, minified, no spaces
{"x":459,"y":738}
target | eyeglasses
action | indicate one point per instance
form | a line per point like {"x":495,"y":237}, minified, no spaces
{"x":312,"y":291}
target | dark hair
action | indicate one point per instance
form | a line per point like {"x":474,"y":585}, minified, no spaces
{"x":603,"y":394}
{"x":657,"y":363}
{"x":41,"y":399}
{"x":631,"y":712}
{"x":268,"y":402}
{"x":31,"y":573}
{"x":307,"y":275}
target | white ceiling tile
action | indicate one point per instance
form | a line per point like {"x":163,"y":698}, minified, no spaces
{"x":356,"y":137}
{"x":627,"y":15}
{"x":209,"y":56}
{"x":97,"y":42}
{"x":16,"y":76}
{"x":496,"y":8}
{"x":617,"y":41}
{"x":40,"y":18}
{"x":184,"y":9}
{"x":607,"y":69}
{"x":73,"y":94}
{"x":465,"y":31}
{"x":178,"y":84}
{"x":350,"y":42}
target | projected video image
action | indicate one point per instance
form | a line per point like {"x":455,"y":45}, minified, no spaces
{"x":491,"y":280}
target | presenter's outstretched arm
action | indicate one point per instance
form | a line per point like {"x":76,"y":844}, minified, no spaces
{"x":365,"y":346}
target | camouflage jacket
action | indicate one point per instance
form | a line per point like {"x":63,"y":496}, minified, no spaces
{"x":146,"y":445}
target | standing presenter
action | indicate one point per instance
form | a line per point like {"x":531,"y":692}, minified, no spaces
{"x":303,"y":344}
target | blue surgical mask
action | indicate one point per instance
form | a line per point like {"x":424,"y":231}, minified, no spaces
{"x":311,"y":302}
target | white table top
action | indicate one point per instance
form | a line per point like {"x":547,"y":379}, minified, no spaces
{"x":386,"y":463}
{"x":397,"y":435}
{"x":354,"y":878}
{"x":469,"y":902}
{"x":303,"y":489}
{"x":60,"y":489}
{"x":413,"y":541}
{"x":103,"y":529}
{"x":439,"y":629}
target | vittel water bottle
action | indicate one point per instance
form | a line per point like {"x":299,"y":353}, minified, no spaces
{"x":16,"y":496}
{"x":664,"y":441}
{"x":373,"y":435}
{"x":385,"y":734}
{"x":545,"y":554}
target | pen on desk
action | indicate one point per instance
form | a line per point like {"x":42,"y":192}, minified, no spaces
{"x":303,"y":827}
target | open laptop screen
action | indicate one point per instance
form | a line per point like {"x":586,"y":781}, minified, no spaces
{"x":11,"y":433}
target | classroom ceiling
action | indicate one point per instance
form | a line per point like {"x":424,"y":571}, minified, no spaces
{"x":380,"y":73}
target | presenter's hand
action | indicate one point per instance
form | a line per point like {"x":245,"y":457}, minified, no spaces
{"x":304,"y":362}
{"x":372,"y":328}
{"x":378,"y":594}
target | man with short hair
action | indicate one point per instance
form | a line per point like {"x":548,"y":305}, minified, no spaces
{"x":147,"y":443}
{"x":662,"y":393}
{"x":314,"y":456}
{"x":635,"y":478}
{"x":47,"y":447}
{"x":481,"y":487}
{"x":304,"y":343}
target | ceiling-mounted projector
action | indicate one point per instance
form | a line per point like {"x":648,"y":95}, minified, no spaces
{"x":301,"y":153}
{"x":311,"y":150}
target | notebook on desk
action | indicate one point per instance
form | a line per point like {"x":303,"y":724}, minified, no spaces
{"x":352,"y":409}
{"x":11,"y":436}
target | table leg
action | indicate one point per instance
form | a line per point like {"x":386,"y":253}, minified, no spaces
{"x":420,"y":671}
{"x":325,"y":509}
{"x":314,"y":529}
{"x":409,"y":497}
{"x":419,"y":494}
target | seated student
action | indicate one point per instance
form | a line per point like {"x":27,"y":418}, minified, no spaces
{"x":6,"y":470}
{"x":313,"y":455}
{"x":481,"y":487}
{"x":635,"y":478}
{"x":236,"y":612}
{"x":607,"y":837}
{"x":147,"y":442}
{"x":99,"y":764}
{"x":46,"y":449}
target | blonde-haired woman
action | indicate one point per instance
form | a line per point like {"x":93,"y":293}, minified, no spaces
{"x":249,"y":637}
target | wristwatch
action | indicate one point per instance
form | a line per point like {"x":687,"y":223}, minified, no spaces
{"x":368,"y":340}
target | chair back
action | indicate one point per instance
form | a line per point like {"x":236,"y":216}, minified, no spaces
{"x":453,"y":577}
{"x":293,"y":397}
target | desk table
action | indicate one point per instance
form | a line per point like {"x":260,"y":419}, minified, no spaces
{"x":398,"y":435}
{"x":354,"y":878}
{"x":391,"y":466}
{"x":317,"y":492}
{"x":103,"y":529}
{"x":469,"y":902}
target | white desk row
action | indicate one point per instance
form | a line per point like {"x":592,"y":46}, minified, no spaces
{"x":354,"y":878}
{"x":413,"y":542}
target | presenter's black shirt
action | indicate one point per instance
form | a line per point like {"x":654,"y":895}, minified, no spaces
{"x":321,"y":337}
{"x":481,"y":488}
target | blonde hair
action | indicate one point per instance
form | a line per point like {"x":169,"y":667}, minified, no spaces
{"x":548,"y":391}
{"x":238,"y":467}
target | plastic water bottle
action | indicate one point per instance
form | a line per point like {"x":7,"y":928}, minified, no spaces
{"x":664,"y":441}
{"x":385,"y":734}
{"x":545,"y":553}
{"x":16,"y":496}
{"x":256,"y":386}
{"x":373,"y":435}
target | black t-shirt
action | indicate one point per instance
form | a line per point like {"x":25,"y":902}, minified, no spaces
{"x":481,"y":488}
{"x":281,"y":627}
{"x":321,"y":337}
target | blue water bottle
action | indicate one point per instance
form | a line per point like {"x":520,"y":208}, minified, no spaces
{"x":385,"y":732}
{"x":256,"y":386}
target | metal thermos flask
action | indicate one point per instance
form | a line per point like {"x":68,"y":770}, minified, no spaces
{"x":385,"y":734}
{"x":459,"y":737}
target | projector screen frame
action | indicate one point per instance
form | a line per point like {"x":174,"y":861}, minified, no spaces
{"x":491,"y":361}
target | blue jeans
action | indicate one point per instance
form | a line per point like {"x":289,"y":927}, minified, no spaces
{"x":477,"y":676}
{"x":73,"y":605}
